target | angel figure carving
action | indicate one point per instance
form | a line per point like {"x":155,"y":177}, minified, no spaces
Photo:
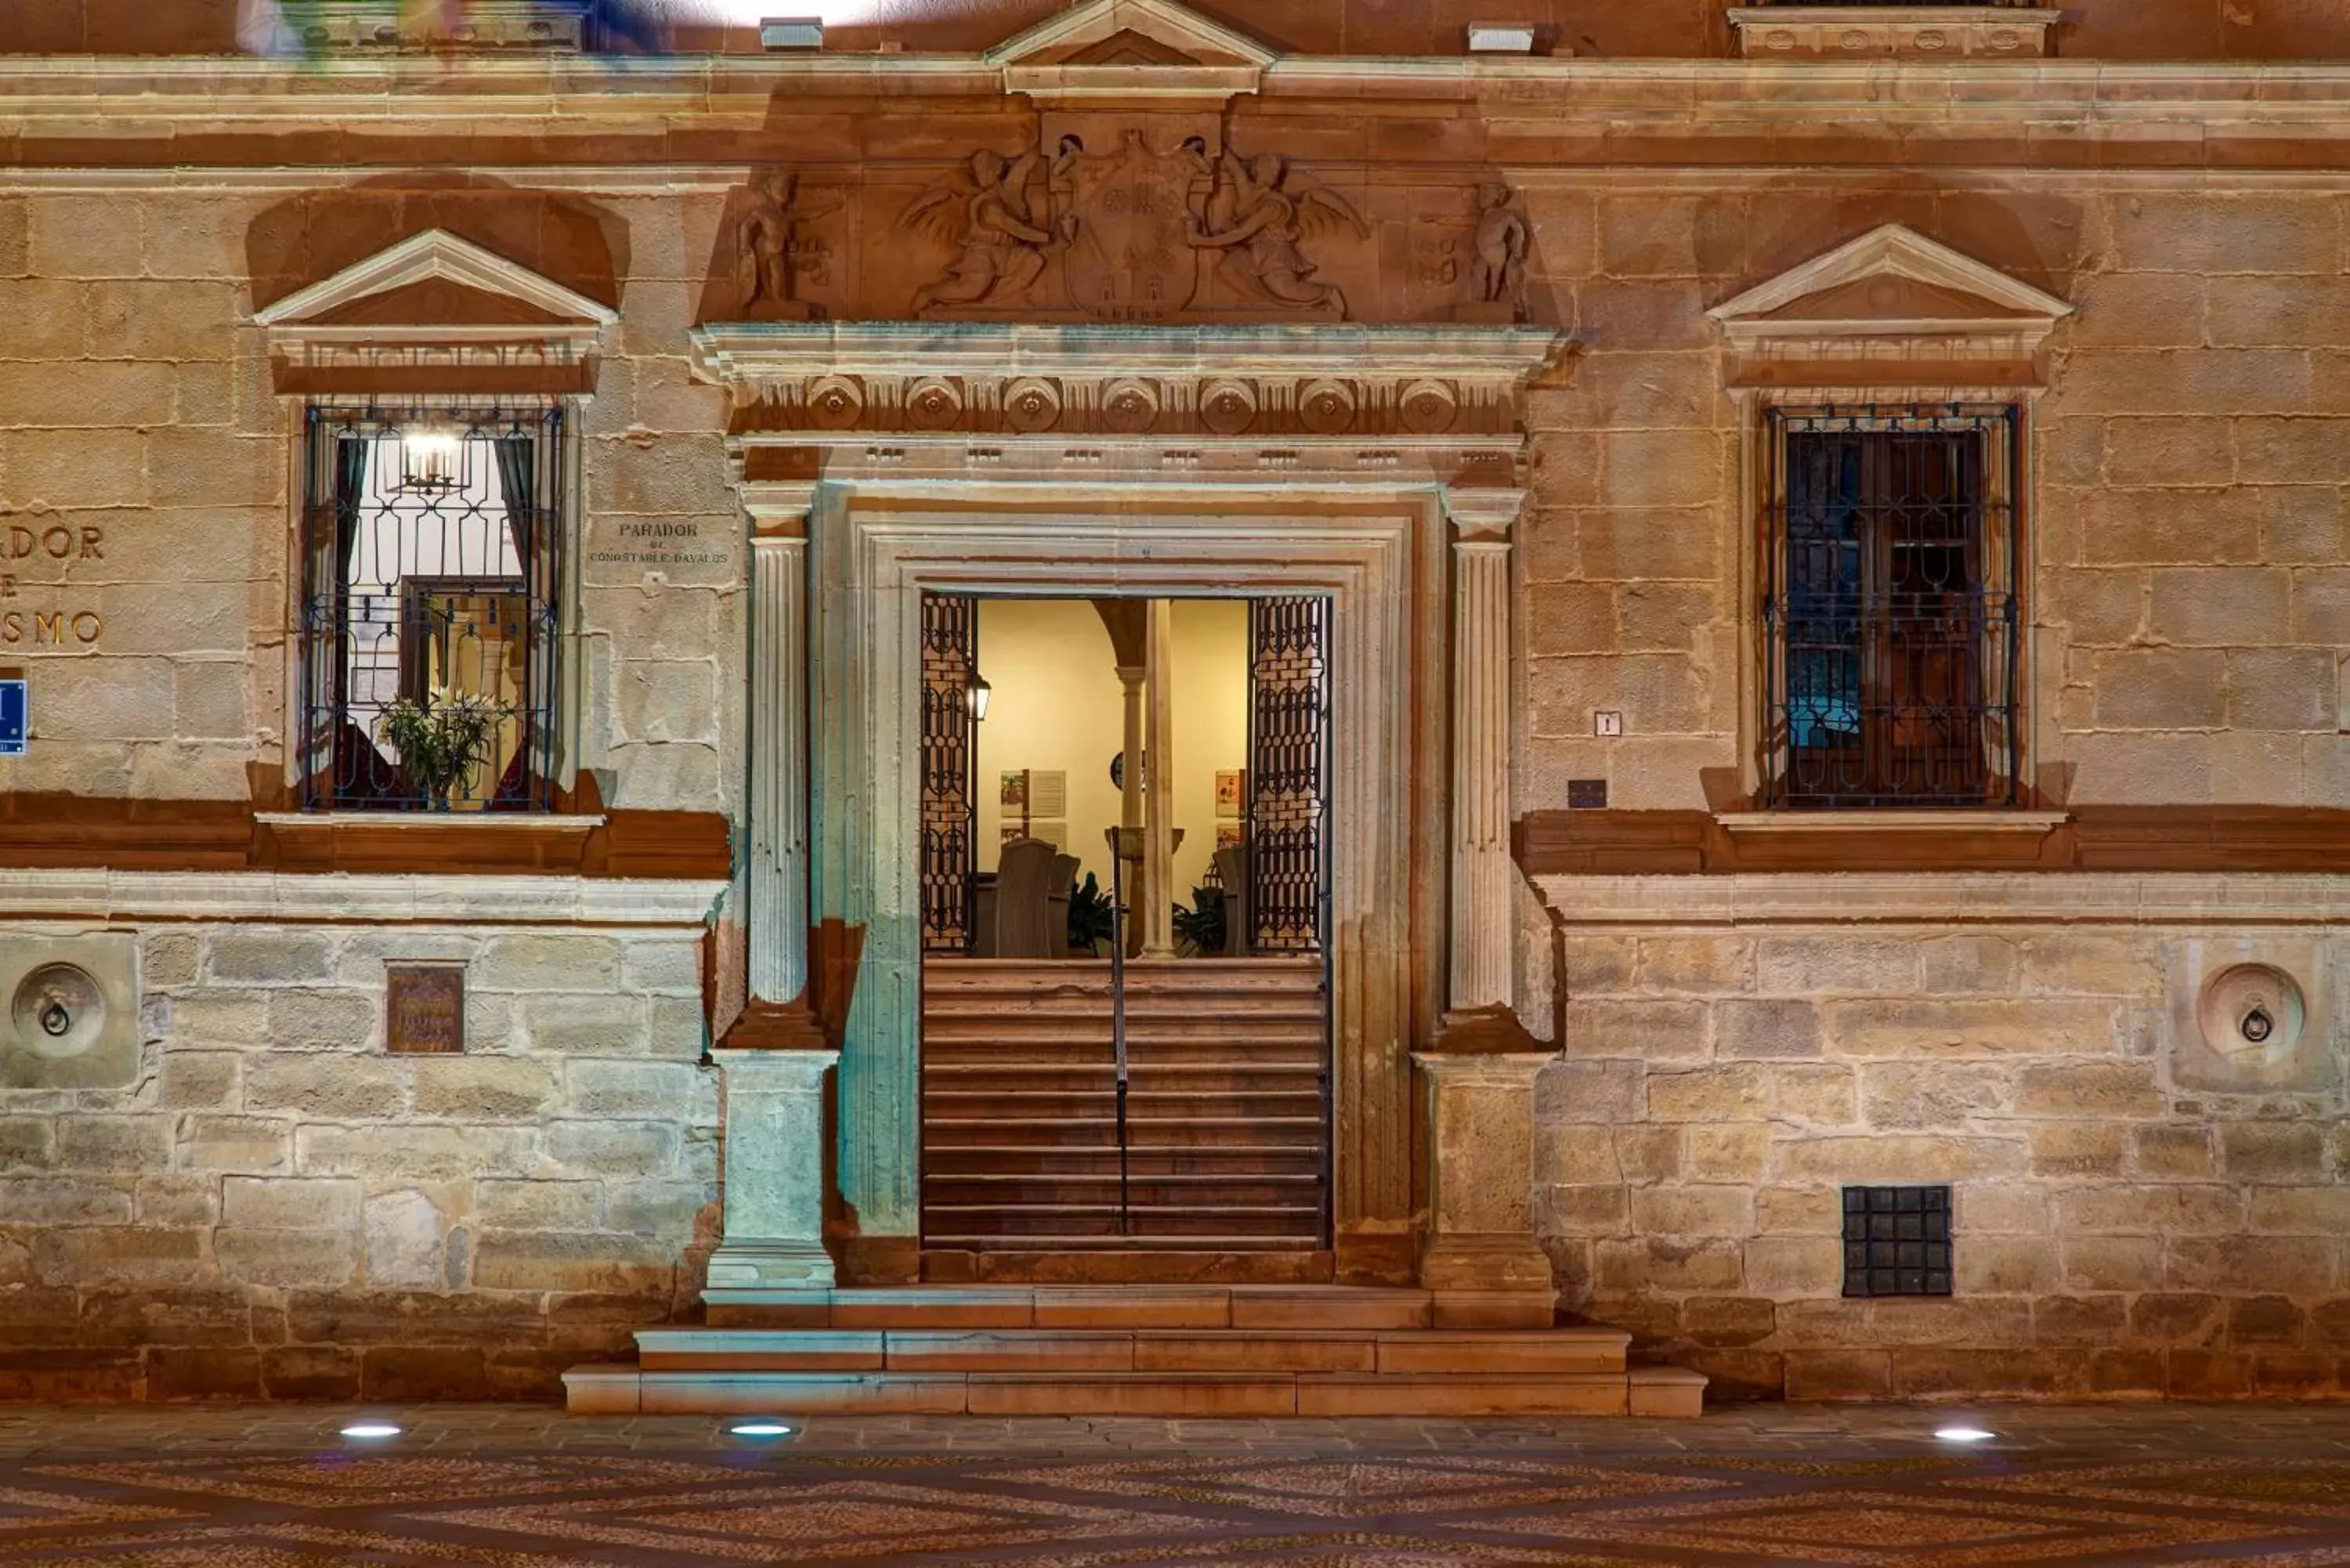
{"x":770,"y":253}
{"x":1258,"y":220}
{"x":986,"y":210}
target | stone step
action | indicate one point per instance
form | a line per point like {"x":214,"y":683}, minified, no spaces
{"x":1094,"y":1223}
{"x":1284,"y":1264}
{"x":967,"y":1156}
{"x":1093,"y":1105}
{"x":1220,"y":1237}
{"x":1055,"y":1131}
{"x":1245,"y":1079}
{"x":964,"y":975}
{"x":630,"y":1390}
{"x":1410,"y":1352}
{"x":998,"y":1188}
{"x":1321,"y":1308}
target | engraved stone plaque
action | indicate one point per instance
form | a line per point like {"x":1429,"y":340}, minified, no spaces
{"x":424,"y":1009}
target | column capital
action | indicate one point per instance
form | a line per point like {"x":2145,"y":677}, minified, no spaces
{"x":778,"y":506}
{"x":1483,"y":513}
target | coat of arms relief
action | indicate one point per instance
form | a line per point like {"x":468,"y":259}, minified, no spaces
{"x":1114,"y":225}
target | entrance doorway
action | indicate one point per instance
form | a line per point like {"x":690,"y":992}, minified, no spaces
{"x":1126,"y":1018}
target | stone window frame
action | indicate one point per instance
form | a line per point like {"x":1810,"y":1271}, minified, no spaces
{"x":2009,"y":486}
{"x":1890,"y":316}
{"x":564,"y":704}
{"x":1756,"y":464}
{"x":369,"y":333}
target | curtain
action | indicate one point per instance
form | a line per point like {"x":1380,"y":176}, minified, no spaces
{"x":516,"y":477}
{"x":330,"y":595}
{"x":514,"y":483}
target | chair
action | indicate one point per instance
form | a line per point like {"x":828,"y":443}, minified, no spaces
{"x":1024,"y":902}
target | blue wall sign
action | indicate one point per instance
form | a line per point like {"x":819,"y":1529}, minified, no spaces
{"x":14,"y":726}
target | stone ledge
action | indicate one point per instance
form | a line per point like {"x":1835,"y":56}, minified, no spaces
{"x":1956,"y":822}
{"x":1892,"y":32}
{"x":411,"y":898}
{"x":1848,"y":897}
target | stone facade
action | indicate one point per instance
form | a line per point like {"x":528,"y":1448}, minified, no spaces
{"x":1748,"y":1018}
{"x":2125,"y":1222}
{"x":276,"y":1206}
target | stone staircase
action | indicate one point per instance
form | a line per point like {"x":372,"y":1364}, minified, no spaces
{"x":1226,"y":1138}
{"x":1155,"y":1350}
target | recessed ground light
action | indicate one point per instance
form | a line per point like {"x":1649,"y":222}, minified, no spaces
{"x":760,"y":1429}
{"x":1964,"y":1434}
{"x":370,"y":1430}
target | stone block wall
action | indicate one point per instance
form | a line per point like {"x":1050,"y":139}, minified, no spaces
{"x":278,"y":1206}
{"x":145,"y":509}
{"x":2121,"y":1227}
{"x":2187,"y":522}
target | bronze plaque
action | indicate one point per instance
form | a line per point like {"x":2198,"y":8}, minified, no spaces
{"x":424,"y":1008}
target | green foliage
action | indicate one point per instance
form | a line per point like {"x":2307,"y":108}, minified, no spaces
{"x":1201,"y":929}
{"x":441,"y":740}
{"x":1092,"y":921}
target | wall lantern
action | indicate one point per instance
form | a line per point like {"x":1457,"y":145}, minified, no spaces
{"x":979,"y":692}
{"x":1500,"y":39}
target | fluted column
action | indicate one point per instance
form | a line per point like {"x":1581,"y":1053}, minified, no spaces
{"x":1481,"y":873}
{"x":777,"y":874}
{"x":779,"y":867}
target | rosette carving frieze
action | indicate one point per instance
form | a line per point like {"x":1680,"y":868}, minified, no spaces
{"x":1173,"y":400}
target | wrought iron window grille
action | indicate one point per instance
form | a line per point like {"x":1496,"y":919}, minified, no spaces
{"x":432,"y":547}
{"x":1890,"y":565}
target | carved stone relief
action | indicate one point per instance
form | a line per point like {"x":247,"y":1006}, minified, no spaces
{"x":989,"y":212}
{"x":1503,"y":237}
{"x":1128,"y":214}
{"x":1259,"y":214}
{"x":773,"y":251}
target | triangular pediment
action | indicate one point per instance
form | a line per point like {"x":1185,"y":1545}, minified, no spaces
{"x":1892,"y":280}
{"x":435,"y":279}
{"x":1127,"y":47}
{"x":1163,"y":33}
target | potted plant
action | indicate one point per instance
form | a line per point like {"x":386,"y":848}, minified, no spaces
{"x":440,"y":740}
{"x":1201,"y":929}
{"x":1092,"y":921}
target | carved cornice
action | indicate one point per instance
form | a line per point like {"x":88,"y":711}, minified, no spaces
{"x":389,"y":26}
{"x":1331,"y":386}
{"x":1895,"y":32}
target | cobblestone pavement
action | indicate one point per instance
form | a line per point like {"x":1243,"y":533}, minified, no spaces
{"x":278,"y":1487}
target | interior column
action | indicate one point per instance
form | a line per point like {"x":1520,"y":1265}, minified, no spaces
{"x":1157,"y":770}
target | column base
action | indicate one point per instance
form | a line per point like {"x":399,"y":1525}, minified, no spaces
{"x":776,"y":1026}
{"x":1485,"y":1031}
{"x":767,"y":1266}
